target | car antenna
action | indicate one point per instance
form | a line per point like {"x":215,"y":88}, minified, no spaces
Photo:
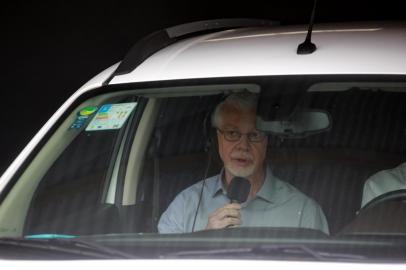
{"x":307,"y":47}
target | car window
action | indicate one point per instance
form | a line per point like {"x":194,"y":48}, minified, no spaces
{"x":120,"y":158}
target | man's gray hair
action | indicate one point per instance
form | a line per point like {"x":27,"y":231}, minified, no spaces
{"x":244,"y":101}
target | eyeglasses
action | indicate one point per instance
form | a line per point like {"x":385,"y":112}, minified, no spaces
{"x":235,"y":136}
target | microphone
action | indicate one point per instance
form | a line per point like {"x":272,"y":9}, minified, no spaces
{"x":238,"y":189}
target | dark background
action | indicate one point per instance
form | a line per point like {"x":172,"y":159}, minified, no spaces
{"x":48,"y":49}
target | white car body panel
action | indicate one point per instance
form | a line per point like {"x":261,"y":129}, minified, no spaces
{"x":342,"y":49}
{"x":191,"y":264}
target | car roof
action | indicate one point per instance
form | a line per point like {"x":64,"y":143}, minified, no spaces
{"x":342,"y":48}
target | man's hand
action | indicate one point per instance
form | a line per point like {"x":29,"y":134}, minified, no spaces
{"x":226,"y":216}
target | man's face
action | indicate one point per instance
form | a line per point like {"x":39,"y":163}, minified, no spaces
{"x":241,"y":158}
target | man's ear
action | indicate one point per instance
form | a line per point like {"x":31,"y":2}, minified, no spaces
{"x":210,"y":132}
{"x":214,"y":149}
{"x":213,"y":138}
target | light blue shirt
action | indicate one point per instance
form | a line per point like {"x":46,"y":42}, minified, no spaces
{"x":277,"y":204}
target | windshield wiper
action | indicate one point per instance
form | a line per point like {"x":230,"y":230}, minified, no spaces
{"x":63,"y":246}
{"x":298,"y":252}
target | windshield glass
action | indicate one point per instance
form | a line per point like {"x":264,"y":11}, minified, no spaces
{"x":287,"y":167}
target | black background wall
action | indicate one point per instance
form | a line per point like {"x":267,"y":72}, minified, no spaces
{"x":48,"y":49}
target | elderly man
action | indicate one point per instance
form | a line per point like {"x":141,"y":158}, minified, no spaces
{"x":242,"y":148}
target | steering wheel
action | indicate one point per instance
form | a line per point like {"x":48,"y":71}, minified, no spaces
{"x":396,"y":195}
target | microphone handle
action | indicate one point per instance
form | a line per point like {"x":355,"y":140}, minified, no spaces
{"x":233,"y":201}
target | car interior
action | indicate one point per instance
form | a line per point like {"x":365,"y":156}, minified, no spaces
{"x":366,"y":134}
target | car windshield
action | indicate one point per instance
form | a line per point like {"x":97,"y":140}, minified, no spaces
{"x":282,"y":167}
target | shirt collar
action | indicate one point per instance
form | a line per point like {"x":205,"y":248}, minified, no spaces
{"x":266,"y":192}
{"x":268,"y":188}
{"x":218,"y":187}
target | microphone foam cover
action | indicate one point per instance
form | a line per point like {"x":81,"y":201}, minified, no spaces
{"x":239,"y":189}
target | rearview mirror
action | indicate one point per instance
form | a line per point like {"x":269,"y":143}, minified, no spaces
{"x":299,"y":125}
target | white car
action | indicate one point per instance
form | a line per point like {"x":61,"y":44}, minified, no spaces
{"x":91,"y":186}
